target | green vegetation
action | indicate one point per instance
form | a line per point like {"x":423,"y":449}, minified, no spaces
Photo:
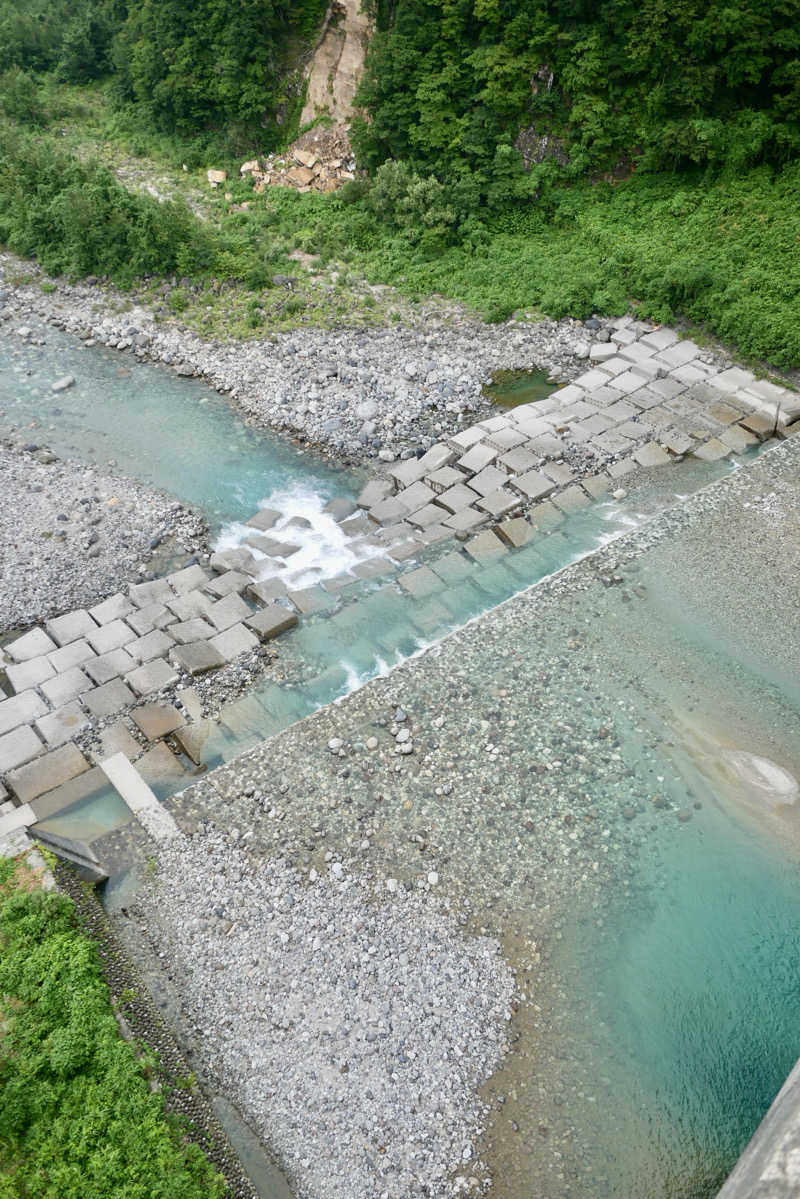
{"x":77,"y":1117}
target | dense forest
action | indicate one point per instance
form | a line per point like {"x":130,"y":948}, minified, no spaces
{"x":561,"y":155}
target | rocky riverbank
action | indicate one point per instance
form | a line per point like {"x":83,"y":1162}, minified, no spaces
{"x":71,"y":535}
{"x":376,"y":394}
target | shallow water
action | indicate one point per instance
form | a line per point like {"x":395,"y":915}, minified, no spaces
{"x":508,"y":388}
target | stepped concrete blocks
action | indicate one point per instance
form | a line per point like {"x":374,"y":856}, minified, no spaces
{"x":432,"y":617}
{"x":113,"y":635}
{"x":152,"y":676}
{"x":660,"y":339}
{"x":197,"y":657}
{"x":374,"y":492}
{"x":566,"y":395}
{"x":516,"y":532}
{"x":738,"y":439}
{"x":432,"y":534}
{"x":46,"y":772}
{"x":546,"y":446}
{"x":152,"y":645}
{"x":28,"y":674}
{"x":617,"y":470}
{"x":264,"y":519}
{"x":371,"y":568}
{"x":611,"y":443}
{"x":31,"y":645}
{"x":117,"y":739}
{"x":559,"y":472}
{"x":111,"y":610}
{"x":356,"y":526}
{"x":415,"y":497}
{"x":455,"y":499}
{"x":648,"y":369}
{"x":628,"y":383}
{"x":691,"y":374}
{"x":486,"y":547}
{"x":189,"y":606}
{"x":712,"y":450}
{"x":623,"y":337}
{"x":308,"y":600}
{"x":445,"y":477}
{"x":488,"y":480}
{"x":477,"y":457}
{"x":453,"y":567}
{"x":621,"y":411}
{"x":650,"y":454}
{"x":235,"y":640}
{"x":518,"y":461}
{"x":407,"y":472}
{"x":505,"y":439}
{"x":195,"y":629}
{"x":732,"y":380}
{"x":437,"y":457}
{"x":188,"y":579}
{"x":153,"y":616}
{"x":637,"y":351}
{"x":18,"y":747}
{"x":499,"y":502}
{"x":401,"y":551}
{"x":431,"y":514}
{"x":545,"y":516}
{"x":762,"y":426}
{"x":571,"y":499}
{"x":62,"y":725}
{"x":635,"y":429}
{"x":227,"y":612}
{"x":235,"y":559}
{"x":534,"y":485}
{"x":109,"y":666}
{"x":68,"y":628}
{"x":192,"y":738}
{"x":594,"y":425}
{"x":466,"y":438}
{"x":144,"y":595}
{"x":267,"y":590}
{"x":109,"y":699}
{"x":587,"y":381}
{"x":272,"y":621}
{"x":420,"y":582}
{"x":20,"y":709}
{"x":612,"y":367}
{"x":602,"y":351}
{"x":230,"y":581}
{"x":602,"y":397}
{"x":676,"y":442}
{"x":725,"y":414}
{"x":157,"y":720}
{"x":494,"y":423}
{"x":387,"y":512}
{"x":64,"y":687}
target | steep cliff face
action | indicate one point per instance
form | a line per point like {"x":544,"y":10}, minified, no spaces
{"x":338,"y":62}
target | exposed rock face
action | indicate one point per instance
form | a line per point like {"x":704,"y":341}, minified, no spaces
{"x":337,"y":63}
{"x":536,"y":147}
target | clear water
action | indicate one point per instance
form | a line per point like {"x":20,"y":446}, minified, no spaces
{"x":176,"y":434}
{"x":510,"y":388}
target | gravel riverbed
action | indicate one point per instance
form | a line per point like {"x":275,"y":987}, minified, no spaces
{"x":71,"y":535}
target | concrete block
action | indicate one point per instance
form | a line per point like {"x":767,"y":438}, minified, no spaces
{"x":187,"y":631}
{"x":227,"y":612}
{"x":235,"y":559}
{"x":113,"y":635}
{"x":357,"y":526}
{"x":444,"y":478}
{"x":431,"y":514}
{"x":588,"y":381}
{"x":374,"y":492}
{"x":62,"y":725}
{"x":725,"y":414}
{"x":64,"y":687}
{"x":738,"y":439}
{"x":154,"y":616}
{"x":112,"y":609}
{"x":387,"y":511}
{"x":621,"y":411}
{"x":466,"y":438}
{"x":20,"y":709}
{"x":518,"y":461}
{"x":571,"y":499}
{"x":602,"y":351}
{"x":617,"y":470}
{"x":272,"y":621}
{"x":488,"y":480}
{"x":340,"y":508}
{"x":308,"y":600}
{"x":564,"y":395}
{"x":197,"y":657}
{"x":157,"y":720}
{"x":477,"y":457}
{"x":437,"y":457}
{"x":505,"y":439}
{"x":25,"y":675}
{"x":370,"y":568}
{"x":236,"y":639}
{"x":453,"y":567}
{"x":732,"y":380}
{"x":493,"y":423}
{"x":192,"y":739}
{"x":117,"y":739}
{"x":596,"y":485}
{"x":533,"y":485}
{"x":757,"y":423}
{"x":266,"y":590}
{"x":592,"y":427}
{"x":109,"y":666}
{"x":690,"y":374}
{"x":13,"y":839}
{"x":189,"y":606}
{"x":546,"y":446}
{"x":72,"y":626}
{"x":559,"y":472}
{"x":499,"y":502}
{"x":545,"y":516}
{"x":516,"y":532}
{"x":660,"y":339}
{"x":602,"y":397}
{"x":152,"y":676}
{"x":456,"y":498}
{"x":264,"y":519}
{"x":228,"y":583}
{"x":420,"y":582}
{"x":465,"y":520}
{"x":152,"y":645}
{"x":712,"y":450}
{"x":415,"y":497}
{"x":486,"y":547}
{"x":628,"y":383}
{"x":409,"y":471}
{"x":650,"y":454}
{"x":611,"y":443}
{"x":432,"y":534}
{"x":191,"y":578}
{"x":676,"y":441}
{"x":144,"y":595}
{"x":46,"y":772}
{"x":404,"y":548}
{"x":31,"y":645}
{"x":18,"y":747}
{"x":109,"y":699}
{"x":128,"y":783}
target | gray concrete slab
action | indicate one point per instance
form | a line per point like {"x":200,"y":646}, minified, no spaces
{"x":374,"y":492}
{"x":62,"y":725}
{"x":67,"y":793}
{"x":357,"y":526}
{"x":516,"y":532}
{"x":70,"y":627}
{"x":678,"y":354}
{"x":234,"y":640}
{"x":308,"y":600}
{"x":533,"y":485}
{"x":420,"y":582}
{"x":109,"y":699}
{"x":20,"y":709}
{"x":499,"y":502}
{"x":571,"y":499}
{"x":546,"y":446}
{"x":466,"y":438}
{"x":65,"y":687}
{"x":189,"y":579}
{"x":340,"y":508}
{"x":227,"y":612}
{"x":31,"y":645}
{"x":453,"y":567}
{"x":228,"y":583}
{"x":157,"y":720}
{"x":651,"y":454}
{"x":432,"y":534}
{"x":109,"y":666}
{"x":407,"y":472}
{"x":545,"y":516}
{"x":488,"y":480}
{"x":118,"y":739}
{"x":465,"y":520}
{"x":712,"y":450}
{"x":264,"y":519}
{"x":235,"y":559}
{"x":446,"y":476}
{"x":477,"y":457}
{"x":405,"y":548}
{"x":738,"y":439}
{"x":271,"y":622}
{"x":456,"y":498}
{"x":437,"y":457}
{"x":197,"y":657}
{"x":192,"y":630}
{"x":129,"y":783}
{"x":113,"y":635}
{"x":387,"y":511}
{"x":46,"y":772}
{"x":153,"y":645}
{"x":190,"y":605}
{"x":505,"y":439}
{"x":17,"y":747}
{"x":74,"y":654}
{"x":144,"y":595}
{"x":431,"y":514}
{"x":416,"y":496}
{"x":111,"y":610}
{"x":518,"y":461}
{"x":486,"y":547}
{"x":152,"y":676}
{"x":267,"y":590}
{"x":153,"y":616}
{"x":24,"y":675}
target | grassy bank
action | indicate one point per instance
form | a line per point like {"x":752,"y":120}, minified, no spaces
{"x":77,"y":1117}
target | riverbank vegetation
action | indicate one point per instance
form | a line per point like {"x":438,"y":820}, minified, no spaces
{"x":77,"y":1117}
{"x":547,"y":157}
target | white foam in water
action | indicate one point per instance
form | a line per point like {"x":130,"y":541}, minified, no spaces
{"x":325,"y":549}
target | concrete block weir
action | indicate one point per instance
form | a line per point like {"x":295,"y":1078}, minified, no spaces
{"x":353,"y":580}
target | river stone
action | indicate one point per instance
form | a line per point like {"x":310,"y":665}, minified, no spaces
{"x":62,"y":384}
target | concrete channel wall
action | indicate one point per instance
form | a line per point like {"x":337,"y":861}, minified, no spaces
{"x":769,"y":1168}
